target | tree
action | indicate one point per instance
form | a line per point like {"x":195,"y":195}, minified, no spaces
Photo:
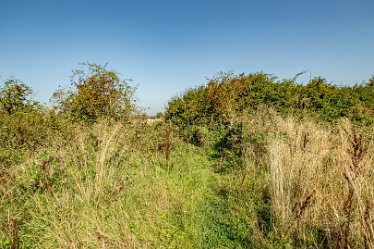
{"x":159,"y":115}
{"x":371,"y":81}
{"x":98,"y":92}
{"x":15,"y":97}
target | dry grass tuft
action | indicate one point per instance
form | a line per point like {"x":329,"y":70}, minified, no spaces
{"x":320,"y":181}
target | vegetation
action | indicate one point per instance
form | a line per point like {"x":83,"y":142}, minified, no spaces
{"x":244,"y":162}
{"x":98,"y":93}
{"x":228,"y":94}
{"x":15,"y":97}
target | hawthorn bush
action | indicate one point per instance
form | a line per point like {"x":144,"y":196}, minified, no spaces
{"x":97,"y":92}
{"x":225,"y":97}
{"x":15,"y":97}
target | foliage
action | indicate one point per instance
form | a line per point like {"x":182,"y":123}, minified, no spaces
{"x":190,"y":108}
{"x":226,"y":96}
{"x":15,"y":96}
{"x":97,"y":92}
{"x":251,"y":166}
{"x":159,"y":115}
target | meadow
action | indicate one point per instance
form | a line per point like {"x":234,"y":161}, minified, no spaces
{"x":243,"y":161}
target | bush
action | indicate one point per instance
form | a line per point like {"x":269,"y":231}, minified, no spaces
{"x":15,"y":96}
{"x":98,"y":93}
{"x":224,"y":97}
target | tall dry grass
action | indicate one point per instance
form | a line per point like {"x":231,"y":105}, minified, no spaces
{"x":320,"y":180}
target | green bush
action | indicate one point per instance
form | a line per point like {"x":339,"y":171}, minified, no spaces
{"x":15,"y":97}
{"x":97,"y":92}
{"x":227,"y":96}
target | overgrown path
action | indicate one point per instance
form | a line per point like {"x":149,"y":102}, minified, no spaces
{"x":108,"y":186}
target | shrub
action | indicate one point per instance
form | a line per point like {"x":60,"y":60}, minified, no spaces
{"x":224,"y":97}
{"x":98,"y":93}
{"x":15,"y":96}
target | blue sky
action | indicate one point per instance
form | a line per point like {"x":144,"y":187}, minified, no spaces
{"x":168,"y":46}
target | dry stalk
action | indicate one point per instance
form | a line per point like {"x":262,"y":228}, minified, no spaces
{"x":304,"y":141}
{"x":303,"y":205}
{"x":348,"y":210}
{"x":2,"y":181}
{"x":301,"y":210}
{"x":44,"y":170}
{"x":167,"y":144}
{"x":356,"y":153}
{"x":11,"y":231}
{"x":368,"y":226}
{"x":14,"y":238}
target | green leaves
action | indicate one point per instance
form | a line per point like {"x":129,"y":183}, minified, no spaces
{"x":15,"y":96}
{"x":98,"y":93}
{"x":228,"y":96}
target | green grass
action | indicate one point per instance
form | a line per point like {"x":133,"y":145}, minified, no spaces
{"x":110,"y":187}
{"x":66,"y":185}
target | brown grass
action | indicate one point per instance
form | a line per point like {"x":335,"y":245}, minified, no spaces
{"x":320,"y":178}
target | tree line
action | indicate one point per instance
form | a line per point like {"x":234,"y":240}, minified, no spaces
{"x":96,"y":92}
{"x":227,"y":95}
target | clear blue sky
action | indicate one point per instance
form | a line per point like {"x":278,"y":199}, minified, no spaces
{"x":168,"y":46}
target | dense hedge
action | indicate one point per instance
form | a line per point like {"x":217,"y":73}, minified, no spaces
{"x":228,"y":95}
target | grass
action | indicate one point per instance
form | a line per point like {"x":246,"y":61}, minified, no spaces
{"x":276,"y":182}
{"x":318,"y":178}
{"x":109,"y":188}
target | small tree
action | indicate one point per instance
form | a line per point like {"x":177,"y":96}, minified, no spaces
{"x":98,"y":92}
{"x":371,"y":81}
{"x":159,"y":115}
{"x":15,"y":97}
